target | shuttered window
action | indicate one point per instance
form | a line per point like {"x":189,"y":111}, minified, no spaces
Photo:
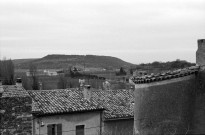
{"x":49,"y":129}
{"x":80,"y":129}
{"x":54,"y":129}
{"x":59,"y":129}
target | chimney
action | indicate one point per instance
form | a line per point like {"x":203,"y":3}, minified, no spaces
{"x":87,"y":92}
{"x":106,"y":85}
{"x":19,"y":82}
{"x":82,"y":83}
{"x":40,"y":85}
{"x":200,"y":54}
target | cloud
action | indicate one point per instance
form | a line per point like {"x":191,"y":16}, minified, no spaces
{"x":2,"y":39}
{"x":101,"y":27}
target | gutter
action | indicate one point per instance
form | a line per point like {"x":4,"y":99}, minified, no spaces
{"x":124,"y":118}
{"x":41,"y":114}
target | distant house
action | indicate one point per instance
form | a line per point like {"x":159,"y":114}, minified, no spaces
{"x":15,"y":110}
{"x":28,"y":73}
{"x":82,"y":112}
{"x":139,"y":73}
{"x":38,"y":73}
{"x":43,"y":73}
{"x":106,"y":85}
{"x":50,"y":72}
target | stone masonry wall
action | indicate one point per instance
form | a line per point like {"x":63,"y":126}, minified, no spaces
{"x":165,"y":107}
{"x":200,"y":54}
{"x":17,"y":118}
{"x":199,"y":114}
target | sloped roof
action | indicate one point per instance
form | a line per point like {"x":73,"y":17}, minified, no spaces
{"x":117,"y":104}
{"x":61,"y":101}
{"x":14,"y":91}
{"x":165,"y":76}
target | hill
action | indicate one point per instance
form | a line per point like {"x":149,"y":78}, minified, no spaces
{"x":156,"y":67}
{"x":64,"y":61}
{"x":20,"y":61}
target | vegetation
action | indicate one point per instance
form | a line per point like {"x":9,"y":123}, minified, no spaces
{"x":69,"y":77}
{"x":121,"y":72}
{"x":7,"y":72}
{"x":62,"y":82}
{"x":76,"y":74}
{"x":156,"y":67}
{"x":33,"y":73}
{"x":26,"y":82}
{"x":64,"y":61}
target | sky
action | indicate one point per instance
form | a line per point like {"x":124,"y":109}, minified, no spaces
{"x":137,"y":31}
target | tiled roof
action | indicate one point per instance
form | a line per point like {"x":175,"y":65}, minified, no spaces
{"x":61,"y":101}
{"x":14,"y":91}
{"x":117,"y":104}
{"x":166,"y":75}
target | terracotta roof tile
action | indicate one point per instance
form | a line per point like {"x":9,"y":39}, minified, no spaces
{"x":14,"y":91}
{"x":117,"y":104}
{"x":166,"y":75}
{"x":60,"y":101}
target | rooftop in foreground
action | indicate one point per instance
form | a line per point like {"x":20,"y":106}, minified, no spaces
{"x":165,"y":75}
{"x":115,"y":103}
{"x":14,"y":91}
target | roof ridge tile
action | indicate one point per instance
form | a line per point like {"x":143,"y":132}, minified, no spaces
{"x":165,"y":75}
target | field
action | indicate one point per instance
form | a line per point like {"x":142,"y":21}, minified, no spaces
{"x":55,"y":82}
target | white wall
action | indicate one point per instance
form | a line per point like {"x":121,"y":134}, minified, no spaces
{"x":91,"y":120}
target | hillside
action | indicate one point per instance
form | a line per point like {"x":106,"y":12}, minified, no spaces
{"x":156,"y":67}
{"x":64,"y":61}
{"x":20,"y":61}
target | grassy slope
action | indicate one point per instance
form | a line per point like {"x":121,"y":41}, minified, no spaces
{"x":20,"y":61}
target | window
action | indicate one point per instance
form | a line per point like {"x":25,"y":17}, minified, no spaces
{"x":54,"y":129}
{"x":80,"y":129}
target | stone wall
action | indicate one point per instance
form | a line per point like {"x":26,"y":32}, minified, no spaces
{"x":199,"y":114}
{"x":165,"y":107}
{"x":17,"y":118}
{"x":200,"y":54}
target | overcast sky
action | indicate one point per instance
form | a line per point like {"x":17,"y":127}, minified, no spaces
{"x":136,"y":31}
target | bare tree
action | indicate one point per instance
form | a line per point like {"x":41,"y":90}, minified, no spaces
{"x":62,"y":82}
{"x":33,"y":72}
{"x":7,"y":71}
{"x":26,"y":83}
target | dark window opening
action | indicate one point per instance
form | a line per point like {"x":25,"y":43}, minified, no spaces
{"x":54,"y":129}
{"x":80,"y":129}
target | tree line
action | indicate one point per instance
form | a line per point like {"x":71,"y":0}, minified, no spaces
{"x":34,"y":81}
{"x":158,"y":66}
{"x":7,"y":72}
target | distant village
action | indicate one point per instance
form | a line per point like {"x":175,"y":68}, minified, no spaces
{"x":140,"y":100}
